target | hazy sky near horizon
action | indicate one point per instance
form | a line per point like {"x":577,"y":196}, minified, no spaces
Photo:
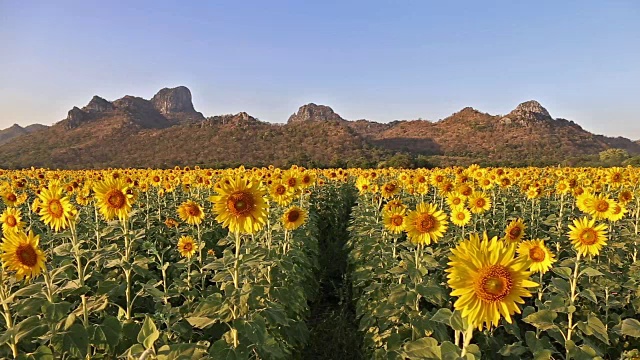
{"x":379,"y":60}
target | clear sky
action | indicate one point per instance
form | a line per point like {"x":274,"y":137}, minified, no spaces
{"x":379,"y":60}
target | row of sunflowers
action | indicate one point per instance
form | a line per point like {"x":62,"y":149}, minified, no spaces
{"x":445,"y":263}
{"x":166,"y":264}
{"x":535,"y":263}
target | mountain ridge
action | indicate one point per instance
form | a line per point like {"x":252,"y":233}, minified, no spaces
{"x":167,"y":131}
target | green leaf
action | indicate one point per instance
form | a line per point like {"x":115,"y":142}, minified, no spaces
{"x":452,"y":319}
{"x":562,"y":285}
{"x":148,"y":333}
{"x":424,"y":348}
{"x":181,"y":352}
{"x":589,"y":295}
{"x":564,"y":272}
{"x":631,"y":327}
{"x":513,"y":349}
{"x":76,"y":341}
{"x":201,"y":322}
{"x":42,"y":353}
{"x":598,"y":329}
{"x":590,"y":272}
{"x":29,"y":327}
{"x":542,"y":319}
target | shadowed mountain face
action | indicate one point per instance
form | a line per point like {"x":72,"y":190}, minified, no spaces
{"x":16,"y":130}
{"x":167,"y":131}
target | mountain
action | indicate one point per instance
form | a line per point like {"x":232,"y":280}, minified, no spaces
{"x":16,"y":130}
{"x":167,"y":131}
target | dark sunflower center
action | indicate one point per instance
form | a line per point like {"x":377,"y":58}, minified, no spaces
{"x":426,"y":223}
{"x":457,"y":201}
{"x":292,"y":182}
{"x":480,"y":202}
{"x":397,"y":220}
{"x":493,"y":283}
{"x":536,"y":254}
{"x":11,"y":221}
{"x":293,"y":216}
{"x":240,"y":203}
{"x":187,"y":247}
{"x":12,"y":197}
{"x":602,"y":205}
{"x":55,"y":208}
{"x":390,"y":187}
{"x":193,"y":210}
{"x":156,"y":178}
{"x":27,"y":255}
{"x":588,"y":236}
{"x":616,"y":177}
{"x":115,"y":199}
{"x":515,"y":232}
{"x":461,"y":216}
{"x":280,"y":189}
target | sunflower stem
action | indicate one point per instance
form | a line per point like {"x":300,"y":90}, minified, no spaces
{"x":127,"y":270}
{"x":467,"y":336}
{"x":574,"y":281}
{"x":8,"y":319}
{"x":236,"y":283}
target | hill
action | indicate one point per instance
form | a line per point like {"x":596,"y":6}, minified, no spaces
{"x":167,"y":131}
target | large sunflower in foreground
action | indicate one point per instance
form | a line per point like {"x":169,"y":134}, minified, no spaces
{"x":20,"y":253}
{"x":538,"y":254}
{"x":114,"y":198}
{"x":56,"y":210}
{"x":240,"y":205}
{"x":191,"y":212}
{"x":488,"y":280}
{"x":425,"y":224}
{"x":587,"y":237}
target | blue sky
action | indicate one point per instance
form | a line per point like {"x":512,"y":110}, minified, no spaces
{"x":379,"y":60}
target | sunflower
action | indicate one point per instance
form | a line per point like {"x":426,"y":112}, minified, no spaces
{"x":10,"y":198}
{"x":281,"y":193}
{"x":363,"y":184}
{"x":394,"y":220}
{"x":394,"y":204}
{"x":454,"y":200}
{"x":488,"y":280}
{"x":187,"y":246}
{"x":617,"y":212}
{"x":390,"y":189}
{"x":538,"y":254}
{"x":479,"y":202}
{"x":114,"y":198}
{"x":11,"y":220}
{"x":600,"y":207}
{"x":293,"y":218}
{"x":460,"y":216}
{"x":625,"y":197}
{"x":240,"y":205}
{"x":587,"y":237}
{"x":20,"y":253}
{"x":191,"y":212}
{"x":426,"y":224}
{"x":171,"y":222}
{"x":56,"y":210}
{"x":514,"y":231}
{"x":584,"y":201}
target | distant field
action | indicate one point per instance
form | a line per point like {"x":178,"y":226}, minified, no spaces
{"x":268,"y":263}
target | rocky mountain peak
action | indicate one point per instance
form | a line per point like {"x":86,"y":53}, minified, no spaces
{"x":75,"y":117}
{"x":527,"y":112}
{"x":98,"y":104}
{"x":313,"y":112}
{"x":173,"y":100}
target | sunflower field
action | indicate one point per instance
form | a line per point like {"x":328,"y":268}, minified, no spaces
{"x":455,"y":263}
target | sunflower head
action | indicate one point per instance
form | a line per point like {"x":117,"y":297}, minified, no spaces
{"x":587,"y":237}
{"x":537,"y":254}
{"x":187,"y":246}
{"x":191,"y":212}
{"x":488,"y":280}
{"x":460,"y":216}
{"x":20,"y":253}
{"x":240,"y":205}
{"x":56,"y":209}
{"x":11,"y":220}
{"x":514,"y":231}
{"x":426,"y":224}
{"x":114,"y":198}
{"x":394,"y":219}
{"x":293,"y":218}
